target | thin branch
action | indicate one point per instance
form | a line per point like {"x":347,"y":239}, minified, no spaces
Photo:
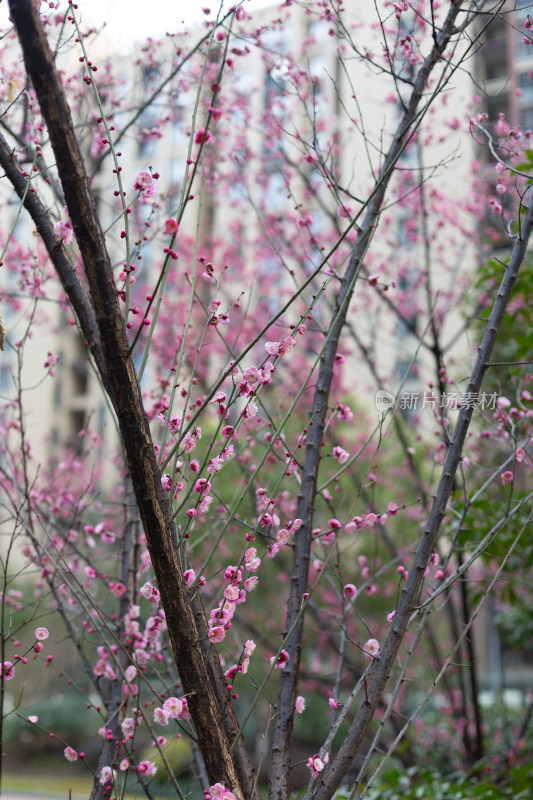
{"x":411,"y":590}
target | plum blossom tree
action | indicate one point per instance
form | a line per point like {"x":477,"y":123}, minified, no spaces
{"x":230,"y":322}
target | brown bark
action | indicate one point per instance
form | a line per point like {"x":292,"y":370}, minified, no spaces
{"x":197,"y":675}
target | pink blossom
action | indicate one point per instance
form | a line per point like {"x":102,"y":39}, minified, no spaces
{"x":215,"y":464}
{"x":272,"y":348}
{"x":507,"y":477}
{"x":249,"y":647}
{"x":150,"y":593}
{"x":41,"y":634}
{"x":345,"y":212}
{"x":185,"y":713}
{"x":171,"y":226}
{"x":250,"y":410}
{"x":33,"y":718}
{"x":280,"y":348}
{"x":204,"y":505}
{"x":50,"y":363}
{"x":282,"y":536}
{"x":202,"y":136}
{"x":107,"y":775}
{"x":341,"y":455}
{"x":219,"y":792}
{"x":189,"y":442}
{"x":333,"y":703}
{"x":288,"y":343}
{"x":231,"y":593}
{"x":391,"y":616}
{"x":118,"y":589}
{"x":189,"y":576}
{"x":128,"y":726}
{"x":300,"y":704}
{"x":251,"y":583}
{"x":173,"y":425}
{"x":317,"y":764}
{"x":161,"y":716}
{"x":8,"y":670}
{"x":281,"y":660}
{"x":63,"y":230}
{"x":231,"y":672}
{"x":251,"y":376}
{"x":148,"y":134}
{"x":70,"y":754}
{"x":392,"y":509}
{"x":350,"y":527}
{"x":144,"y":183}
{"x":216,"y":634}
{"x":371,"y":648}
{"x":233,"y":574}
{"x":251,"y":560}
{"x":146,"y":768}
{"x":345,"y":412}
{"x":350,"y":590}
{"x":124,"y":765}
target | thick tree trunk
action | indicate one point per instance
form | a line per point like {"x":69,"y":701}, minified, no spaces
{"x":212,"y":717}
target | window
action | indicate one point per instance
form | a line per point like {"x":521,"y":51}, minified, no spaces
{"x":148,"y":118}
{"x":275,"y":195}
{"x":76,"y":424}
{"x":319,"y":29}
{"x":318,"y":72}
{"x":5,"y":378}
{"x":276,"y":85}
{"x":275,"y":39}
{"x":498,"y":104}
{"x":525,"y":101}
{"x":495,"y":48}
{"x":80,"y":369}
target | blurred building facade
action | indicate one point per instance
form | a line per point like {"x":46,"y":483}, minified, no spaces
{"x":64,"y":406}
